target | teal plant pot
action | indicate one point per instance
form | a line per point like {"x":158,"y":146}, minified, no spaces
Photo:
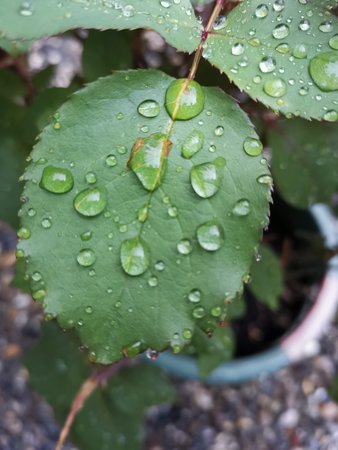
{"x":299,"y":343}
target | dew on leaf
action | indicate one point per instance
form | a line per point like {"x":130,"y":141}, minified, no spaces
{"x":90,"y":202}
{"x":265,"y":179}
{"x":210,"y":236}
{"x":326,"y":26}
{"x":275,"y":87}
{"x":195,"y":296}
{"x":148,"y":160}
{"x":46,"y":223}
{"x":89,"y":310}
{"x":198,"y":312}
{"x":153,"y":281}
{"x":237,"y":49}
{"x":304,"y":25}
{"x":216,"y":311}
{"x":36,"y":276}
{"x":121,"y":149}
{"x":91,"y":177}
{"x":192,"y":144}
{"x":56,"y":180}
{"x":111,"y":161}
{"x":24,"y":233}
{"x":187,"y":333}
{"x":253,"y":146}
{"x":149,"y":108}
{"x":184,"y":99}
{"x":261,"y":11}
{"x":267,"y":64}
{"x":281,"y":31}
{"x":142,"y":213}
{"x":206,"y":178}
{"x":241,"y":208}
{"x":39,"y":295}
{"x":219,"y":131}
{"x":134,"y":255}
{"x":331,"y":116}
{"x":219,"y":23}
{"x":159,"y":266}
{"x":133,"y":349}
{"x":278,"y":5}
{"x":323,"y":69}
{"x":184,"y":247}
{"x":300,"y":51}
{"x":333,"y":42}
{"x":86,"y":257}
{"x":172,"y":211}
{"x":283,"y":48}
{"x":86,"y":236}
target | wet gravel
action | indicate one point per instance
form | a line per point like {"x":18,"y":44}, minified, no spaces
{"x":290,"y":410}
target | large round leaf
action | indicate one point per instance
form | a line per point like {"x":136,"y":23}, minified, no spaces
{"x":282,"y":53}
{"x":34,"y":19}
{"x":116,"y":313}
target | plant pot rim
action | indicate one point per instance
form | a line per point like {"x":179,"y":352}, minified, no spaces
{"x":299,"y":343}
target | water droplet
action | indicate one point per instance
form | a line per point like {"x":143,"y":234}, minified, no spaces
{"x":149,"y":108}
{"x":91,"y":177}
{"x":267,"y":64}
{"x":142,"y":213}
{"x":128,"y":11}
{"x":324,"y":71}
{"x":86,"y":257}
{"x":184,"y":99}
{"x":184,"y":247}
{"x":278,"y":5}
{"x":216,"y":311}
{"x":39,"y":295}
{"x":36,"y":276}
{"x":210,"y":236}
{"x":172,"y":211}
{"x":237,"y":49}
{"x":148,"y":160}
{"x":89,"y":310}
{"x":121,"y":149}
{"x":219,"y":131}
{"x":90,"y":202}
{"x":333,"y":42}
{"x":281,"y":31}
{"x":160,"y":266}
{"x":187,"y":333}
{"x":24,"y":233}
{"x":134,"y":256}
{"x":192,"y":144}
{"x":111,"y":161}
{"x":300,"y":51}
{"x":331,"y":116}
{"x":219,"y":23}
{"x":194,"y":296}
{"x":275,"y":87}
{"x":133,"y":349}
{"x":198,"y":312}
{"x":153,"y":281}
{"x":26,"y":9}
{"x":326,"y":26}
{"x":31,"y":212}
{"x":283,"y":48}
{"x":253,"y":146}
{"x":86,"y":236}
{"x":56,"y":180}
{"x":212,"y":148}
{"x":46,"y":223}
{"x":152,"y":354}
{"x":144,"y":128}
{"x":241,"y":208}
{"x":261,"y":11}
{"x":265,"y":179}
{"x":206,"y":178}
{"x":92,"y":273}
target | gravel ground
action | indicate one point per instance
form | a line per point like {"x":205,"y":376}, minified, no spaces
{"x":287,"y":411}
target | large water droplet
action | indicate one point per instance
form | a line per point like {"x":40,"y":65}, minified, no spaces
{"x":192,"y":144}
{"x":24,"y":233}
{"x":198,"y":312}
{"x":184,"y":99}
{"x":253,"y":146}
{"x":195,"y":296}
{"x":281,"y":31}
{"x":241,"y":208}
{"x":86,"y":257}
{"x":261,"y":11}
{"x":206,"y":178}
{"x":324,"y":71}
{"x":111,"y":161}
{"x":134,"y":256}
{"x":149,"y":108}
{"x":275,"y":87}
{"x":148,"y":160}
{"x":90,"y":202}
{"x":56,"y":180}
{"x":300,"y":51}
{"x":267,"y":64}
{"x":210,"y":236}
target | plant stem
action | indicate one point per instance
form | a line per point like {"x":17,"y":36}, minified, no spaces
{"x":87,"y":388}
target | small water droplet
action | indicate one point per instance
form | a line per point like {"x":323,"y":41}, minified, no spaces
{"x":153,"y":281}
{"x":253,"y":146}
{"x":324,"y":71}
{"x":90,"y":202}
{"x":300,"y":51}
{"x":56,"y":180}
{"x":265,"y":179}
{"x":326,"y":26}
{"x":219,"y":23}
{"x":111,"y":161}
{"x":46,"y":223}
{"x":219,"y":131}
{"x":281,"y":31}
{"x":237,"y":49}
{"x":216,"y":311}
{"x":333,"y":42}
{"x":86,"y":236}
{"x":331,"y":116}
{"x":192,"y":144}
{"x":91,"y":177}
{"x":134,"y":256}
{"x":184,"y":99}
{"x":86,"y":257}
{"x":283,"y":48}
{"x":267,"y":64}
{"x":142,"y":213}
{"x":198,"y":312}
{"x":31,"y":212}
{"x":39,"y":296}
{"x":195,"y":296}
{"x":278,"y":5}
{"x":187,"y":333}
{"x":152,"y":354}
{"x":149,"y":108}
{"x":206,"y":178}
{"x":159,"y":266}
{"x":172,"y":211}
{"x":210,"y":236}
{"x":275,"y":87}
{"x":36,"y":276}
{"x":261,"y":11}
{"x":89,"y":310}
{"x":241,"y":208}
{"x":184,"y":247}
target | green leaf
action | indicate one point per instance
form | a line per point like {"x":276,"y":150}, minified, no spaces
{"x":213,"y":351}
{"x":123,"y":265}
{"x":100,"y":56}
{"x":268,"y":48}
{"x":267,"y":278}
{"x":113,"y":415}
{"x":177,"y":23}
{"x":304,"y":161}
{"x":11,"y":85}
{"x":15,"y":48}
